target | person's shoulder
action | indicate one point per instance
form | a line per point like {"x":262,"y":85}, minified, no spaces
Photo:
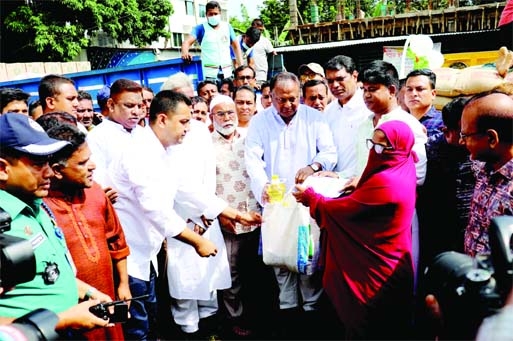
{"x":199,"y":130}
{"x":198,"y":28}
{"x":310,"y":112}
{"x":95,"y":188}
{"x":105,"y":126}
{"x":333,"y":106}
{"x":10,"y":203}
{"x":434,"y":112}
{"x":401,"y":115}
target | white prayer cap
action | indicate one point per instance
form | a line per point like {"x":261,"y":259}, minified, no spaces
{"x":218,"y":99}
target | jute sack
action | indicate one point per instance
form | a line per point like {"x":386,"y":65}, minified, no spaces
{"x":470,"y":81}
{"x":441,"y":101}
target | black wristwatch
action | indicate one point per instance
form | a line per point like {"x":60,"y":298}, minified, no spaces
{"x":315,"y":167}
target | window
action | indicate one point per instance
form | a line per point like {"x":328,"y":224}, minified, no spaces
{"x":177,"y":39}
{"x":189,"y":7}
{"x":202,"y":11}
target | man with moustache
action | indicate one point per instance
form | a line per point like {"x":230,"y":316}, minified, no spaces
{"x":346,"y":113}
{"x":245,"y":107}
{"x":107,"y":139}
{"x":58,"y":93}
{"x":292,"y":141}
{"x":91,"y":227}
{"x":233,"y":185}
{"x":315,"y":94}
{"x":25,"y":174}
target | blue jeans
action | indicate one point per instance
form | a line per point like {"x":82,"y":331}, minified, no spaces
{"x":143,"y":313}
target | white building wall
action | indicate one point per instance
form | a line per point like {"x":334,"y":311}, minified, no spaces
{"x":180,"y":23}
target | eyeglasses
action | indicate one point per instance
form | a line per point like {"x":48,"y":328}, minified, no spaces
{"x":464,"y":136}
{"x":378,"y":147}
{"x":282,"y":100}
{"x":221,"y":114}
{"x":242,"y":78}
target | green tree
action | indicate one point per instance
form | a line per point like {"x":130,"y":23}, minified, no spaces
{"x":239,"y":25}
{"x":275,"y":15}
{"x":52,"y":30}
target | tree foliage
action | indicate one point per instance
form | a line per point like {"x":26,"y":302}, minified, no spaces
{"x":240,"y":26}
{"x":55,"y":30}
{"x":275,"y":15}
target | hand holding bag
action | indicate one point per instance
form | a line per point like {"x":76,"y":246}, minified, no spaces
{"x":290,"y":238}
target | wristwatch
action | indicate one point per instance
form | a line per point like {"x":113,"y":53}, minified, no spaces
{"x":315,"y":167}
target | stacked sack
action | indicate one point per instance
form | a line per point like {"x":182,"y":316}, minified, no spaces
{"x":452,"y":83}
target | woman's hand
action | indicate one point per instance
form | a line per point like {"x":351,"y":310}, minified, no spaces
{"x":300,"y":196}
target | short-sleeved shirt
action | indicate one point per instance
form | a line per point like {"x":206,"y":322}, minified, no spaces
{"x":260,"y":51}
{"x":246,"y":52}
{"x":215,"y":48}
{"x":59,"y":291}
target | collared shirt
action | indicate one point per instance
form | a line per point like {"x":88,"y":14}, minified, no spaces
{"x":106,"y":141}
{"x":189,"y":275}
{"x":197,"y":178}
{"x":233,"y":183}
{"x":366,"y":130}
{"x":493,"y":196}
{"x":33,"y":223}
{"x":433,"y":122}
{"x":274,"y":147}
{"x":344,"y":122}
{"x":146,"y":186}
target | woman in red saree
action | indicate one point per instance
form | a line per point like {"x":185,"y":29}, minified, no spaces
{"x":368,"y":268}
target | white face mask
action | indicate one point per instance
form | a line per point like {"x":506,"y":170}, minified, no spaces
{"x":214,"y":20}
{"x":244,"y":46}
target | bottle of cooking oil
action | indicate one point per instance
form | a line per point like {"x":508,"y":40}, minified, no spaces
{"x":276,"y":190}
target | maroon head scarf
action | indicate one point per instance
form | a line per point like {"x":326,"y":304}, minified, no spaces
{"x":401,"y":138}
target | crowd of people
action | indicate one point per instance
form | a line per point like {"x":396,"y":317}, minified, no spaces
{"x":159,"y":196}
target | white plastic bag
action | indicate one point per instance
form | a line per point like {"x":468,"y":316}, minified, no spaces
{"x":290,"y":238}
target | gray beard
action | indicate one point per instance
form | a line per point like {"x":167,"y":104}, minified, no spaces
{"x":225,"y":131}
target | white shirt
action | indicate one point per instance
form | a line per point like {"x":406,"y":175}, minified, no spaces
{"x":344,"y":122}
{"x":146,"y":186}
{"x":106,"y":141}
{"x":366,"y":131}
{"x":273,"y":147}
{"x":189,"y":275}
{"x":260,"y":51}
{"x":194,"y":165}
{"x":82,"y":128}
{"x":259,"y":106}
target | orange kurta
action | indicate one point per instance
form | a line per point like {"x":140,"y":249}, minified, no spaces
{"x":95,"y":239}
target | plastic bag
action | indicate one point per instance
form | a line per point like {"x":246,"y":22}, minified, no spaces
{"x":290,"y":238}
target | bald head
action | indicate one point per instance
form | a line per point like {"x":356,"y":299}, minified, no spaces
{"x":491,"y":110}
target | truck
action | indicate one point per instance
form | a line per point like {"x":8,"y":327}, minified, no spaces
{"x":152,"y":74}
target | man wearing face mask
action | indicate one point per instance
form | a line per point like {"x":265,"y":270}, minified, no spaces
{"x":215,"y":38}
{"x":246,"y":42}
